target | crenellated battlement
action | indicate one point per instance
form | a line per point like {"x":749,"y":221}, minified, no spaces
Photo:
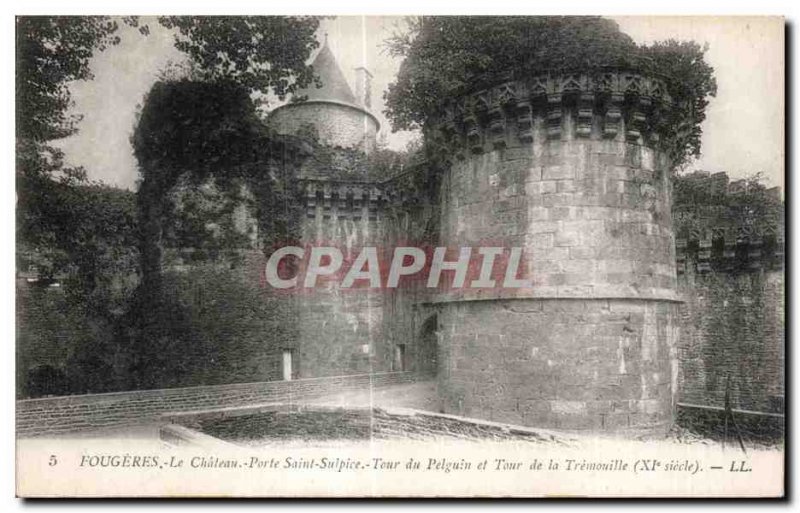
{"x":711,"y":239}
{"x":354,"y":200}
{"x":727,"y":226}
{"x":607,"y":104}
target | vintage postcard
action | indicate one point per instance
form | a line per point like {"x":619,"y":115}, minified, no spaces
{"x":400,"y":256}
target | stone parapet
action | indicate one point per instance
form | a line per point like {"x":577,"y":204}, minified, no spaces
{"x":604,"y":104}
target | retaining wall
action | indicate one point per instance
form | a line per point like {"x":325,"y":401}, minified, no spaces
{"x":56,"y":415}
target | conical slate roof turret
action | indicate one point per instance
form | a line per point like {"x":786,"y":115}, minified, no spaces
{"x":334,"y":86}
{"x":339,"y":117}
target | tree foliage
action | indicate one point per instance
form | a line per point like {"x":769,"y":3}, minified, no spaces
{"x":51,"y":52}
{"x":69,"y":228}
{"x":197,"y":132}
{"x":190,"y":130}
{"x":64,"y":222}
{"x":64,"y":346}
{"x":261,"y":53}
{"x":448,"y":56}
{"x":91,"y":237}
{"x":690,"y":80}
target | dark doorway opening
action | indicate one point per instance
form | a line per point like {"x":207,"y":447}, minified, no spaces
{"x":428,"y":344}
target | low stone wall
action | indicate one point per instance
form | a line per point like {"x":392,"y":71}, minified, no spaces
{"x":55,"y":415}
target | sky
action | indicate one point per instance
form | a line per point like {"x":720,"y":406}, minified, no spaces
{"x":742,"y":135}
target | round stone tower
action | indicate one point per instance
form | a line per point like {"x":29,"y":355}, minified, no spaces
{"x":340,"y":118}
{"x":565,"y":166}
{"x":337,"y":330}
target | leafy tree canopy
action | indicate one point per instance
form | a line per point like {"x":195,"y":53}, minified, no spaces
{"x":51,"y":52}
{"x":447,"y":56}
{"x":91,"y":233}
{"x":261,"y":53}
{"x":197,"y":128}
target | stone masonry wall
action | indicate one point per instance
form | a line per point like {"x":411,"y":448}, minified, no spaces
{"x":335,"y":324}
{"x":601,"y":365}
{"x":565,"y":167}
{"x":733,"y":325}
{"x":337,"y":124}
{"x":409,"y":318}
{"x":340,"y":331}
{"x":55,"y":415}
{"x":730,"y":261}
{"x":593,"y":216}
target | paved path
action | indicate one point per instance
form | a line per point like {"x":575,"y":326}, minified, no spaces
{"x":419,"y":396}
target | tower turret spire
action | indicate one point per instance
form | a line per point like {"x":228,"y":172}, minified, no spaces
{"x":340,"y":117}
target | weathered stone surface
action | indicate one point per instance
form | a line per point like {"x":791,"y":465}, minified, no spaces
{"x":337,"y":124}
{"x":733,"y":327}
{"x":584,"y":358}
{"x":592,"y":344}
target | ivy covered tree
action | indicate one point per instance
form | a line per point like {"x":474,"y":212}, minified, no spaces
{"x":205,"y":129}
{"x":445,"y":56}
{"x":206,"y":126}
{"x":190,"y":131}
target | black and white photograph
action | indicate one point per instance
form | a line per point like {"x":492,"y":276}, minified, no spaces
{"x":399,"y":256}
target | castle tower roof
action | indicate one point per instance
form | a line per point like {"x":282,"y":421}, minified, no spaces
{"x":334,"y":86}
{"x":340,"y":117}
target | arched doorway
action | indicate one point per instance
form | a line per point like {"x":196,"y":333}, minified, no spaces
{"x":428,"y":347}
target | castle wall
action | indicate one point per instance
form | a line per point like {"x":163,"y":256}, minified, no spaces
{"x":733,"y":325}
{"x":602,"y":365}
{"x":565,"y":168}
{"x":730,"y":261}
{"x":340,"y":330}
{"x":410,"y":317}
{"x":337,"y":124}
{"x":576,"y":181}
